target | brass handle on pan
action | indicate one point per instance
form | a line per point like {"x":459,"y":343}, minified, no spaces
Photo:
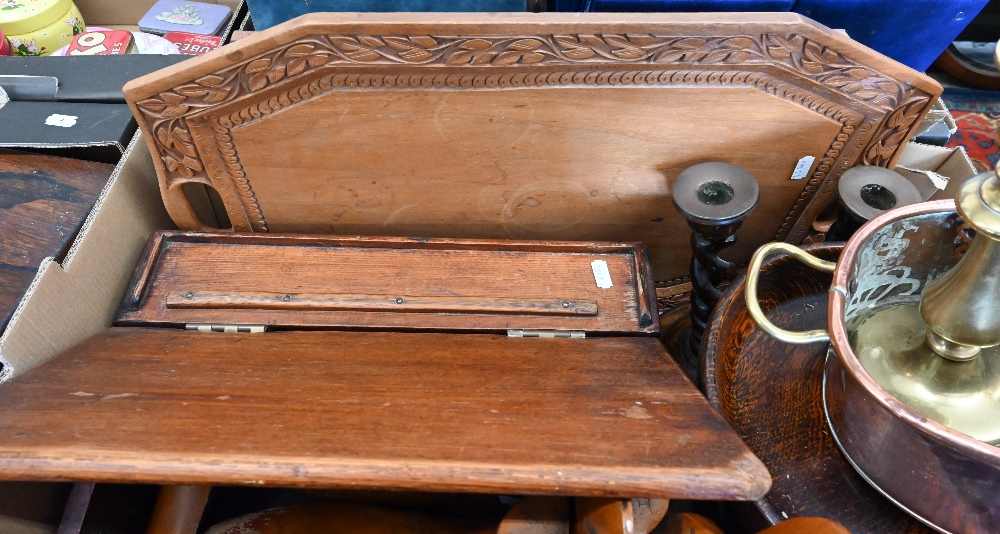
{"x":753,"y":305}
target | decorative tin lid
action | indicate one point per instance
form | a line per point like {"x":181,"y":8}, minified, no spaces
{"x":184,"y":16}
{"x":521,"y":125}
{"x":25,"y":16}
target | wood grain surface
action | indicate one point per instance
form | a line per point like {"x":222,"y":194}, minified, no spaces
{"x":523,"y":126}
{"x":380,"y":283}
{"x":607,"y":516}
{"x":43,"y":202}
{"x":690,"y":523}
{"x":771,"y":392}
{"x":438,"y":412}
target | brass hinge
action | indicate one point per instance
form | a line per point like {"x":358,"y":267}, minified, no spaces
{"x":575,"y":334}
{"x":232,"y":328}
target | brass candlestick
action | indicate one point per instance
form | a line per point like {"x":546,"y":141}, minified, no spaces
{"x":962,"y":308}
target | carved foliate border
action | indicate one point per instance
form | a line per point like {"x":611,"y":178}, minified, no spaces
{"x":308,"y":67}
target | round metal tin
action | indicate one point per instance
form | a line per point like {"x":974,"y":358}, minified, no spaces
{"x":39,"y":27}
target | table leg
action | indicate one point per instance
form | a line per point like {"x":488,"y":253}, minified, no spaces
{"x":76,"y":508}
{"x":178,"y":509}
{"x":607,"y":516}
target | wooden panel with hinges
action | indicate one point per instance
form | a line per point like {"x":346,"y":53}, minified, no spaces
{"x":523,"y":126}
{"x":291,"y":281}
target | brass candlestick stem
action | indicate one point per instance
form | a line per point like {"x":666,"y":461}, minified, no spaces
{"x":962,"y":308}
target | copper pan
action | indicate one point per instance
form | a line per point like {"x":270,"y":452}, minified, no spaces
{"x":946,"y":479}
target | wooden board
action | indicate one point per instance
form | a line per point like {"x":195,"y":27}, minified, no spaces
{"x":526,"y":126}
{"x":439,"y":412}
{"x":43,"y":202}
{"x":772,"y":394}
{"x":383,"y":283}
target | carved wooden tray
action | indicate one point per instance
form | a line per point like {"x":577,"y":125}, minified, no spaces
{"x":525,"y":126}
{"x":771,"y":393}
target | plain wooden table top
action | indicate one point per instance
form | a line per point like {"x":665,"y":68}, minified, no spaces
{"x":439,"y":412}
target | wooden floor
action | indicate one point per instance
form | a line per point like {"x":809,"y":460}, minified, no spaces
{"x":438,"y":412}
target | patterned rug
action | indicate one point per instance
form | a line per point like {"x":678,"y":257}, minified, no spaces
{"x":977,"y":114}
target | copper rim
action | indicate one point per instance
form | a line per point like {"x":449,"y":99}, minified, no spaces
{"x":841,"y":345}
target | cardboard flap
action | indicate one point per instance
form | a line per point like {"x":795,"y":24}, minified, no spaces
{"x":71,"y":301}
{"x":296,"y":281}
{"x":523,"y":126}
{"x":937,"y":172}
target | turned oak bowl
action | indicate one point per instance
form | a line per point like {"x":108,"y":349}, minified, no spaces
{"x":771,"y":392}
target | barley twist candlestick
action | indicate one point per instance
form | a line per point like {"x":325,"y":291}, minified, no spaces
{"x":715,"y":198}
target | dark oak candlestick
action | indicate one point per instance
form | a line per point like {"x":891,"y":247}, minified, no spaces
{"x":865,"y":192}
{"x":715,"y":198}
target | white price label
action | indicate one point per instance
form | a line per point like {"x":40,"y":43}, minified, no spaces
{"x":802,"y":167}
{"x":601,"y":274}
{"x":56,"y":119}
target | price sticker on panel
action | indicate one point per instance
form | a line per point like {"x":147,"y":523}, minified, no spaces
{"x":601,"y":274}
{"x":802,"y":167}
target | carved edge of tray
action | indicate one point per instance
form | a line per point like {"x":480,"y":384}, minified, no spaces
{"x":189,"y":126}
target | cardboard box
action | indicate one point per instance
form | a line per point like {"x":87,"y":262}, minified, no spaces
{"x":937,"y":172}
{"x":67,"y":303}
